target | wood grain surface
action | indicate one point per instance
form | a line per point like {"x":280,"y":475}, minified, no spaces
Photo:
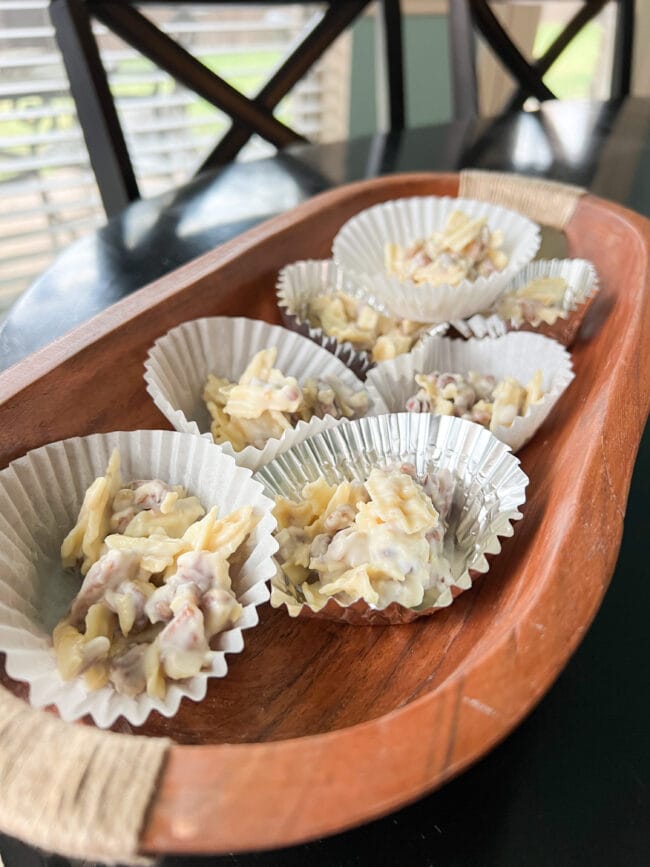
{"x":320,"y":726}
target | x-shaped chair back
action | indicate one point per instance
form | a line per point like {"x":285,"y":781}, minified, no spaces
{"x":96,"y":109}
{"x":466,"y":14}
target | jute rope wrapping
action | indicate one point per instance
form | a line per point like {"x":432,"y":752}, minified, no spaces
{"x":547,"y":202}
{"x":73,"y":789}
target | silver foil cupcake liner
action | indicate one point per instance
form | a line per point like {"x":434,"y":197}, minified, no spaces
{"x":299,"y":283}
{"x":489,"y":488}
{"x":519,"y":355}
{"x":40,"y":497}
{"x":582,"y":287}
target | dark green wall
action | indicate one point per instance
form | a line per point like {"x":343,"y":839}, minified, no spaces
{"x":428,"y":86}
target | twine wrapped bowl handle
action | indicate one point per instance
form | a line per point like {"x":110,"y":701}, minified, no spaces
{"x":74,"y":789}
{"x":547,"y":202}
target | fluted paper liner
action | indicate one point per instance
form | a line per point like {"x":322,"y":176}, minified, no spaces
{"x":582,"y":286}
{"x":490,"y":488}
{"x":178,"y":365}
{"x":359,"y":248}
{"x":519,"y":355}
{"x":301,"y":282}
{"x":40,"y":497}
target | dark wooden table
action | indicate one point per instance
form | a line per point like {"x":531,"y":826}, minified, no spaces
{"x":570,"y":785}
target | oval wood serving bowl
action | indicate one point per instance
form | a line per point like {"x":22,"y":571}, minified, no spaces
{"x":320,"y":726}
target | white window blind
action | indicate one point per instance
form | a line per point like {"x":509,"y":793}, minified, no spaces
{"x":49,"y":196}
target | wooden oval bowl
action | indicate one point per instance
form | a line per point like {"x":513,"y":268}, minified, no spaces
{"x":320,"y":726}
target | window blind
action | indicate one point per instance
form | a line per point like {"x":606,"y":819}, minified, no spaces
{"x":49,"y":196}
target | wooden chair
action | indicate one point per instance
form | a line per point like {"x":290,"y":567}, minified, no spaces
{"x":107,"y":149}
{"x":466,"y":17}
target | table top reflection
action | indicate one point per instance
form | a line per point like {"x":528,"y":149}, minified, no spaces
{"x":570,"y":785}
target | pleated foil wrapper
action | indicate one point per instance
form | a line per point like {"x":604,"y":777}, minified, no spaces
{"x":519,"y":355}
{"x":489,"y":490}
{"x":40,"y":497}
{"x":582,"y":287}
{"x":359,"y":248}
{"x":299,"y":283}
{"x":178,"y":365}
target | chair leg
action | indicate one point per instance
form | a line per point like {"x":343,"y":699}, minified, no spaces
{"x":541,"y":66}
{"x":101,"y":128}
{"x":137,"y":30}
{"x":393,"y":49}
{"x":507,"y":52}
{"x":623,"y":49}
{"x":462,"y":48}
{"x":312,"y":45}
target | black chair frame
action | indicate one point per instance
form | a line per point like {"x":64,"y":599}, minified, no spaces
{"x":467,"y":15}
{"x":107,"y":148}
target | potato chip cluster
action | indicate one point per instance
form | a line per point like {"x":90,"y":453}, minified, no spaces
{"x":265,"y":403}
{"x":381,"y":541}
{"x":540,"y":300}
{"x":156,"y":584}
{"x":350,"y":320}
{"x":476,"y":397}
{"x":466,"y":249}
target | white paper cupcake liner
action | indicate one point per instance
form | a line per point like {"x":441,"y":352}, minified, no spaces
{"x":582,"y":287}
{"x":359,"y":248}
{"x":299,"y":283}
{"x":518,"y":354}
{"x":489,"y":489}
{"x":178,"y":365}
{"x":40,"y":497}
